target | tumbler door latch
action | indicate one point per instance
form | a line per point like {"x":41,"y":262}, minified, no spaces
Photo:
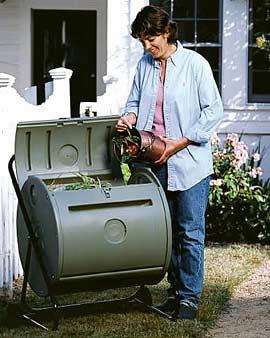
{"x":107,"y":191}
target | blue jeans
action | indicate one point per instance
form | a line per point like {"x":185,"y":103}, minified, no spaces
{"x":187,"y":209}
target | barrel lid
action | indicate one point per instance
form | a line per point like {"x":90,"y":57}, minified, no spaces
{"x":64,"y":147}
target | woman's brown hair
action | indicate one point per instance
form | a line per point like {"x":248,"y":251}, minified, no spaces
{"x":153,"y":21}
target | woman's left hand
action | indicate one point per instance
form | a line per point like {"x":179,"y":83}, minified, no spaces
{"x":172,"y":147}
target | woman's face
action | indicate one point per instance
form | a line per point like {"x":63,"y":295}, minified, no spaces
{"x":157,"y":46}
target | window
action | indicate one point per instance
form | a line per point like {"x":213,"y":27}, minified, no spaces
{"x":199,"y":28}
{"x":259,"y":59}
{"x":66,"y":38}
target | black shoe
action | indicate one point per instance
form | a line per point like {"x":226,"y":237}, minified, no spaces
{"x":186,"y":311}
{"x":169,"y":305}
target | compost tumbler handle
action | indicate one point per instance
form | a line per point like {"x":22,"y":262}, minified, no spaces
{"x":33,"y":238}
{"x":19,"y":196}
{"x":22,"y":205}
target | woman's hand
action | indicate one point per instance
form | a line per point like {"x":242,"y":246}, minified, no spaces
{"x":172,"y":147}
{"x":125,"y":122}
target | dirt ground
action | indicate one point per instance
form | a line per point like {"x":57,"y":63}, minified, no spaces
{"x":248,"y":312}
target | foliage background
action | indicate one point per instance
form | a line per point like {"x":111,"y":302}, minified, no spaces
{"x":239,"y":202}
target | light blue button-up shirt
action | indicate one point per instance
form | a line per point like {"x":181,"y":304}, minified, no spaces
{"x":192,"y":108}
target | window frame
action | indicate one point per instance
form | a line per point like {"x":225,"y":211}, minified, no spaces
{"x":195,"y":45}
{"x":253,"y":98}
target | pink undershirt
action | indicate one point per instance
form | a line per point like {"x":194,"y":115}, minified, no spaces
{"x":158,"y":127}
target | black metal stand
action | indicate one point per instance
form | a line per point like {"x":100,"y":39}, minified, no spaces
{"x":32,"y":315}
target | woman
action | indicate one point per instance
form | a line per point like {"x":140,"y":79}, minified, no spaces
{"x":174,"y":95}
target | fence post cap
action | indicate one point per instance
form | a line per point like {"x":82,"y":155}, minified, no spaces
{"x":109,"y":79}
{"x":60,"y":73}
{"x":6,"y":80}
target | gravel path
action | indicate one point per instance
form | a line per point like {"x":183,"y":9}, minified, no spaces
{"x":248,"y":313}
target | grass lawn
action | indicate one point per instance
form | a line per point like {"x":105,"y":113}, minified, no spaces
{"x":226,"y":266}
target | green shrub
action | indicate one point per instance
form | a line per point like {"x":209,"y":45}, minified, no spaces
{"x":239,"y":203}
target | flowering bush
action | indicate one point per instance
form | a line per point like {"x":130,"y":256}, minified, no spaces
{"x":239,"y":206}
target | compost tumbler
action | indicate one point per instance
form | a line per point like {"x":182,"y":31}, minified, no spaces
{"x":103,"y":237}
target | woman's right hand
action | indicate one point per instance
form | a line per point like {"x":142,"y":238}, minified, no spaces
{"x":125,"y":122}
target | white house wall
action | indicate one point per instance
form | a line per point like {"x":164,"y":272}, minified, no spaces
{"x":250,"y":119}
{"x":123,"y":51}
{"x":235,"y":53}
{"x":10,"y":38}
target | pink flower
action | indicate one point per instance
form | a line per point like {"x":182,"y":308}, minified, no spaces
{"x":215,"y":139}
{"x":236,"y":164}
{"x":253,"y":173}
{"x":259,"y":171}
{"x":256,"y":156}
{"x":219,"y":154}
{"x":232,"y":139}
{"x":240,"y":152}
{"x":217,"y":183}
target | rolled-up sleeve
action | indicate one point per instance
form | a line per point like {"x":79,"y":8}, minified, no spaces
{"x":210,"y":103}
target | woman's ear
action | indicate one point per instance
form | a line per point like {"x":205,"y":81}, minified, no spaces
{"x":166,"y":35}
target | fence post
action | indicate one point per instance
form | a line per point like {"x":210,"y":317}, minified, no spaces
{"x":61,"y":88}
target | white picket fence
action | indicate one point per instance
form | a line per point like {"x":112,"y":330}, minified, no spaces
{"x":14,"y":109}
{"x":10,"y":266}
